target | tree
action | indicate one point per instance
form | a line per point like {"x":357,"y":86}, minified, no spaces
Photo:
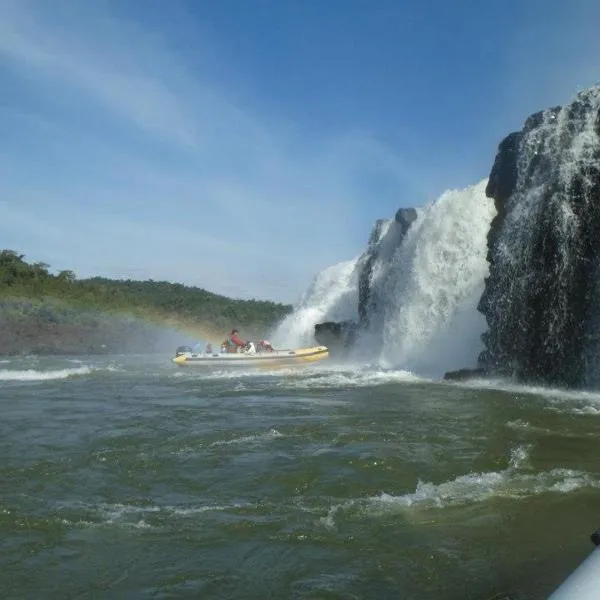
{"x":67,"y":275}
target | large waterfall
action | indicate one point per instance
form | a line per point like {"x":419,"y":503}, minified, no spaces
{"x":426,"y":319}
{"x":420,"y":284}
{"x":504,"y":277}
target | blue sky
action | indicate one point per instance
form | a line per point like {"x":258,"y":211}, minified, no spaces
{"x":244,"y":145}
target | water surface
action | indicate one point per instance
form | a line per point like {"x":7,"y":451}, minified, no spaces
{"x":128,"y":477}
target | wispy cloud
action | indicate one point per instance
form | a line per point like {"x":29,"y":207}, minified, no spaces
{"x":159,"y":164}
{"x":122,"y":153}
{"x":109,"y":75}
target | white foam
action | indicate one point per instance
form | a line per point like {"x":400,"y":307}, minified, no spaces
{"x":195,"y":510}
{"x":346,"y":379}
{"x":428,"y":289}
{"x":519,"y":424}
{"x":560,"y":395}
{"x":130,"y":516}
{"x":272,"y":434}
{"x":332,"y":296}
{"x":511,"y":483}
{"x":329,"y":376}
{"x":478,"y":487}
{"x":585,"y":410}
{"x":35,"y":375}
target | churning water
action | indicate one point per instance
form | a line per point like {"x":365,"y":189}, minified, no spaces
{"x":127,"y":477}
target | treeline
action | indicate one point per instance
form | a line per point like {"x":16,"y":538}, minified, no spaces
{"x":61,"y":297}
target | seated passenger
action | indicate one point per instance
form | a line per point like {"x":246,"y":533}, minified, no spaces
{"x":234,"y":342}
{"x":208,"y":349}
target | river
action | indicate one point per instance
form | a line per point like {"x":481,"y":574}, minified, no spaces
{"x":128,"y":477}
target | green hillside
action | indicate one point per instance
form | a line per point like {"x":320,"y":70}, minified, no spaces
{"x":35,"y":302}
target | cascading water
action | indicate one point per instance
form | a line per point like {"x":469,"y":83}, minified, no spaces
{"x":541,"y":296}
{"x":332,"y":295}
{"x":426,"y":288}
{"x":419,"y":293}
{"x":420,"y":281}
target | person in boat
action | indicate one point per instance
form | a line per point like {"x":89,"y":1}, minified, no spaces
{"x":234,"y":342}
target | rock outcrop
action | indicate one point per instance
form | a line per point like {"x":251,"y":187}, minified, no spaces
{"x":541,"y":294}
{"x":340,"y":336}
{"x":367,"y":305}
{"x":337,"y":336}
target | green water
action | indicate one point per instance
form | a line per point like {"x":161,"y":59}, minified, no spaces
{"x":131,"y":478}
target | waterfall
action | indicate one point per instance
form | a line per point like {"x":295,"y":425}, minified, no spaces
{"x":541,"y":295}
{"x":502,"y":275}
{"x":416,"y":286}
{"x":332,"y":295}
{"x":428,"y":286}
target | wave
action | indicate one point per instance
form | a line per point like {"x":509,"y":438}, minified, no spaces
{"x":132,"y":516}
{"x":559,"y":400}
{"x":331,"y":376}
{"x":351,"y":379}
{"x":272,"y":434}
{"x":534,"y":390}
{"x":34,"y":375}
{"x":471,"y":488}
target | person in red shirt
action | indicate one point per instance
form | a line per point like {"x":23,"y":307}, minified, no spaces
{"x":234,"y":342}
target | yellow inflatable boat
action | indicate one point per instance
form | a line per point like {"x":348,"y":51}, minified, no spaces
{"x":301,"y":356}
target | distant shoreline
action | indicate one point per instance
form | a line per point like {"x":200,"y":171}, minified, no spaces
{"x":46,"y":314}
{"x":105,"y":334}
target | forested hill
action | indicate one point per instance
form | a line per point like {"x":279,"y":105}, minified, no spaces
{"x":45,"y":312}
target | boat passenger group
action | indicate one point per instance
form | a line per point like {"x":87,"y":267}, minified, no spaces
{"x":234,"y":344}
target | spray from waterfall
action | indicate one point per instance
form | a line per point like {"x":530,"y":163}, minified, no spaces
{"x":332,"y":295}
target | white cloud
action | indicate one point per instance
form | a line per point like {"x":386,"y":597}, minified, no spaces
{"x":206,"y":176}
{"x":152,"y":169}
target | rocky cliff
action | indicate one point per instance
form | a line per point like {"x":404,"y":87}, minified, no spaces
{"x":542,"y":296}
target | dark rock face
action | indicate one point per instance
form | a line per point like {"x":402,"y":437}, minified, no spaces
{"x":340,"y":336}
{"x":337,"y":336}
{"x":364,"y":278}
{"x":466,"y":374}
{"x":404,"y":218}
{"x":544,"y":247}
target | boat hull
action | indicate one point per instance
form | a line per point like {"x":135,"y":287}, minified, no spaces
{"x":264,"y":360}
